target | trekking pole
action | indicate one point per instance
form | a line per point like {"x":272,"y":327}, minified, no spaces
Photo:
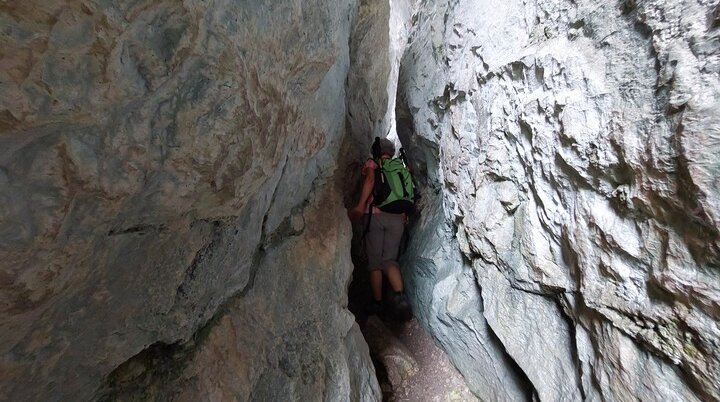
{"x":403,"y":157}
{"x":376,"y":157}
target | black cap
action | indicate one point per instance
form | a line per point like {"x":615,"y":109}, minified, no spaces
{"x":387,"y":146}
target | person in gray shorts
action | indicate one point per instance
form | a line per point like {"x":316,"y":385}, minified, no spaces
{"x":384,"y":233}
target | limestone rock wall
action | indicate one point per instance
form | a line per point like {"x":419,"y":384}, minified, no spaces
{"x":367,"y":98}
{"x":171,"y":222}
{"x":166,"y":169}
{"x":569,"y":242}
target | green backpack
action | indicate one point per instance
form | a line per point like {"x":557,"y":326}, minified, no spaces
{"x":394,"y":191}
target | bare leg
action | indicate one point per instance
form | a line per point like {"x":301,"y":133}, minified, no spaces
{"x":376,"y":284}
{"x":392,"y":270}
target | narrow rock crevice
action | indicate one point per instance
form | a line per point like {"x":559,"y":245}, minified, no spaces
{"x":525,"y":383}
{"x":174,"y":178}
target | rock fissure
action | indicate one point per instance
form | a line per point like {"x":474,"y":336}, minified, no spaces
{"x":525,"y":382}
{"x":171,"y":221}
{"x":205,"y":252}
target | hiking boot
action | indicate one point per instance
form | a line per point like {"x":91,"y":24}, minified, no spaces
{"x":375,"y":308}
{"x":400,"y":301}
{"x":402,"y":307}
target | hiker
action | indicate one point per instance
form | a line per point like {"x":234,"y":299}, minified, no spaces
{"x":384,"y":221}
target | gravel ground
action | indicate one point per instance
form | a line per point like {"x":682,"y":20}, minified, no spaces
{"x":437,"y":379}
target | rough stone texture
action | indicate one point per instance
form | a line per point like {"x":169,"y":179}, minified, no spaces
{"x":306,"y":347}
{"x":437,"y":379}
{"x":392,"y":354}
{"x":169,"y":218}
{"x":447,"y":300}
{"x":368,"y":78}
{"x":571,"y":153}
{"x":378,"y":41}
{"x":162,"y":165}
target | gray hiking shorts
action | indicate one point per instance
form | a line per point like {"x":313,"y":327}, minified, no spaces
{"x":382,"y":241}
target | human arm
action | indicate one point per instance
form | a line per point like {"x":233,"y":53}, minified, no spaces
{"x":365,"y":193}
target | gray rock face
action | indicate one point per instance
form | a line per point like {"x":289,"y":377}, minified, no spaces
{"x":168,"y":213}
{"x":289,"y":337}
{"x":392,"y":354}
{"x":171,"y":222}
{"x":367,"y":98}
{"x":571,"y":217}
